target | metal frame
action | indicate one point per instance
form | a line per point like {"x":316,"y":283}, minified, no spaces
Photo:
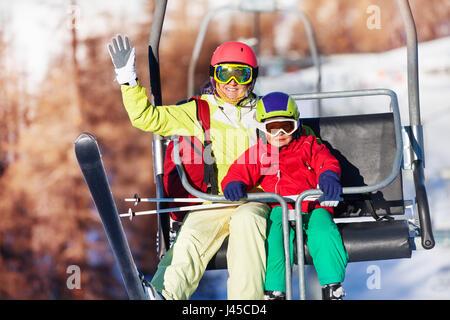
{"x":158,"y":141}
{"x":416,"y":135}
{"x":210,"y":15}
{"x":416,"y":130}
{"x":313,"y":192}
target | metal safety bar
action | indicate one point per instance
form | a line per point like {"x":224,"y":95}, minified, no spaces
{"x":347,"y":190}
{"x":260,"y":197}
{"x":397,"y":127}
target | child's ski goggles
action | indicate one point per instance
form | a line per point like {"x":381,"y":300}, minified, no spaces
{"x":275,"y":126}
{"x":242,"y":74}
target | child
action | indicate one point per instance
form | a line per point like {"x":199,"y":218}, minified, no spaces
{"x":288,"y":163}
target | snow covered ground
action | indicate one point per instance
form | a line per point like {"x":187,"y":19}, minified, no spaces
{"x":427,"y":274}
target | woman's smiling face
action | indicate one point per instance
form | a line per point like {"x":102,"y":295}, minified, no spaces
{"x":232,"y":90}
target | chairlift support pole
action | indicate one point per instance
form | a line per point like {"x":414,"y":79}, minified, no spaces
{"x":157,"y":146}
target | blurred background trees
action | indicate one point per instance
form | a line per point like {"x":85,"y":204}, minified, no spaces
{"x":48,"y":221}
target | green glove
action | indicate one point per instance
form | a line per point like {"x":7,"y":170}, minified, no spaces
{"x":123,"y":57}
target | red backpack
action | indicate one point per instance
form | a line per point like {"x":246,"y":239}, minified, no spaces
{"x":200,"y":174}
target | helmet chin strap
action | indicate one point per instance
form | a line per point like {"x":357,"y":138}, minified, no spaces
{"x":224,"y":97}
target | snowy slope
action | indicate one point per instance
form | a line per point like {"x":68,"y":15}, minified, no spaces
{"x":427,"y":274}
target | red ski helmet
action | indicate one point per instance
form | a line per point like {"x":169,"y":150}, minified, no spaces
{"x":234,"y":52}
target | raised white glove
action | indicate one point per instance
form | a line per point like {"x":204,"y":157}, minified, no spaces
{"x":123,"y":58}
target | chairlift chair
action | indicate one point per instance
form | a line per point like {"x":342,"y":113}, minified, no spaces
{"x":372,"y":218}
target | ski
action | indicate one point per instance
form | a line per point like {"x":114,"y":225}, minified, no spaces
{"x":89,"y":158}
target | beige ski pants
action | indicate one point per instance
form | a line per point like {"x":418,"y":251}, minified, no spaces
{"x":201,"y":236}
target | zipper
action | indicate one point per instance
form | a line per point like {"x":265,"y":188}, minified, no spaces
{"x":308,"y":165}
{"x":278,"y":179}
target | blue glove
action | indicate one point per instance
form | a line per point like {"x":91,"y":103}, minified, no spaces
{"x":235,"y":190}
{"x":330,"y":184}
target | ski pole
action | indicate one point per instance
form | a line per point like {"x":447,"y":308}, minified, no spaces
{"x":166,"y":200}
{"x":131,"y":213}
{"x":136,"y":199}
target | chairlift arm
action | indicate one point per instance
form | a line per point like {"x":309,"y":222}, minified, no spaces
{"x":157,"y":145}
{"x":416,"y":129}
{"x":412,"y":62}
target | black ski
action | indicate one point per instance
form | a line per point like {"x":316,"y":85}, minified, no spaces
{"x":89,"y":159}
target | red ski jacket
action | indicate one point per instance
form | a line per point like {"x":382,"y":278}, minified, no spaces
{"x":289,"y":170}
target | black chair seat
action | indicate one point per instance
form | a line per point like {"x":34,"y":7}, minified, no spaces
{"x":363,"y":241}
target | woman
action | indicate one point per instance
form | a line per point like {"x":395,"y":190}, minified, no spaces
{"x":233,"y":72}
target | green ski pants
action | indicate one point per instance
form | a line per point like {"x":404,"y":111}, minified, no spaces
{"x":324,"y":242}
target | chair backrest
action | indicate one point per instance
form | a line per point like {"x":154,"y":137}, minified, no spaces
{"x":365,"y":147}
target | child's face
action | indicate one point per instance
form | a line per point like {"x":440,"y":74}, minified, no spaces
{"x":274,"y":124}
{"x":280,"y":140}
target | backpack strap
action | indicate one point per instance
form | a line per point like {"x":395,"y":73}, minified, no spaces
{"x":203,"y":117}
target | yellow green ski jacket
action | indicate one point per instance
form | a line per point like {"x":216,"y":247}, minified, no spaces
{"x":233,"y":128}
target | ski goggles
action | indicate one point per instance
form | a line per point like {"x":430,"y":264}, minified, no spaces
{"x":242,"y":74}
{"x":275,"y":126}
